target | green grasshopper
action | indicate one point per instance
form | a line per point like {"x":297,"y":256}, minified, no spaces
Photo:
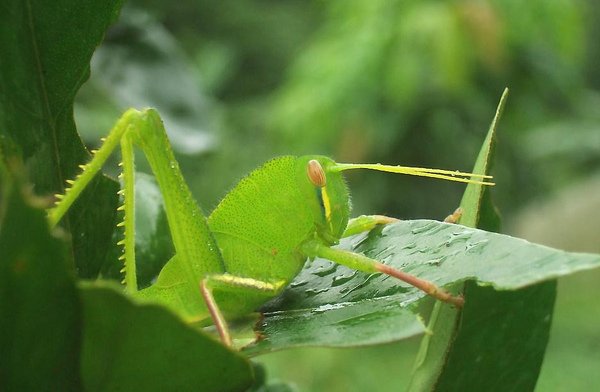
{"x":256,"y":240}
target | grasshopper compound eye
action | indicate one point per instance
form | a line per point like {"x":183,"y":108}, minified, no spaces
{"x":315,"y":172}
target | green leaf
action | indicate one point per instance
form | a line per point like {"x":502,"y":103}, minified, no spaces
{"x":341,"y":324}
{"x":472,"y":339}
{"x":143,"y":347}
{"x":501,"y":339}
{"x":49,"y":46}
{"x":478,"y":211}
{"x":473,"y":201}
{"x":39,"y":305}
{"x":439,"y":252}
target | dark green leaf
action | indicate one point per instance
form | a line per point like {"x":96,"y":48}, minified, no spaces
{"x":39,"y":304}
{"x":139,"y":347}
{"x":49,"y":45}
{"x":458,"y":338}
{"x":339,"y":325}
{"x":501,"y":339}
{"x":478,"y":211}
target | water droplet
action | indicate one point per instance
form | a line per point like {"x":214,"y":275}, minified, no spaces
{"x":386,"y":259}
{"x":328,"y":307}
{"x":429,"y":250}
{"x":313,"y":292}
{"x":436,"y":261}
{"x":325,"y":270}
{"x":358,"y":286}
{"x":379,"y":252}
{"x":476,"y":247}
{"x":355,"y":244}
{"x":456,"y":237}
{"x":341,"y":279}
{"x":423,"y":228}
{"x":386,"y":228}
{"x":410,"y":245}
{"x":298,"y":283}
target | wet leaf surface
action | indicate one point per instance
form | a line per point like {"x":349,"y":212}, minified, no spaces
{"x":439,"y":252}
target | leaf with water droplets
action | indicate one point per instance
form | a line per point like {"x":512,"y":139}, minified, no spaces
{"x":442,"y":253}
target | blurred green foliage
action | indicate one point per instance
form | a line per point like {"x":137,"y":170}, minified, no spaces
{"x":411,"y":82}
{"x":402,"y":81}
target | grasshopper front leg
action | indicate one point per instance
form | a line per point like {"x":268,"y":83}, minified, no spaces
{"x":356,"y":261}
{"x":315,"y":248}
{"x":366,"y":223}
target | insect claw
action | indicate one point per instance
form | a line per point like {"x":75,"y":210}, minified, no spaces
{"x":121,"y":224}
{"x":121,"y":208}
{"x":70,"y":182}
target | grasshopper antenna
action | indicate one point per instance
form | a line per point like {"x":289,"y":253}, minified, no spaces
{"x":449,"y":175}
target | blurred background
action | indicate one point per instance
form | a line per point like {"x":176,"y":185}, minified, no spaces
{"x":397,"y":81}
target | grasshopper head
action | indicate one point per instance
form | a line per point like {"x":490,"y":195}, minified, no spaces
{"x":329,"y":196}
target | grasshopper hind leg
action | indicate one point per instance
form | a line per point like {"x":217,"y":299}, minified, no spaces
{"x":231,"y":283}
{"x":215,"y":312}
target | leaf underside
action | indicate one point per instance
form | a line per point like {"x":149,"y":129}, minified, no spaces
{"x":129,"y":347}
{"x":40,"y":313}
